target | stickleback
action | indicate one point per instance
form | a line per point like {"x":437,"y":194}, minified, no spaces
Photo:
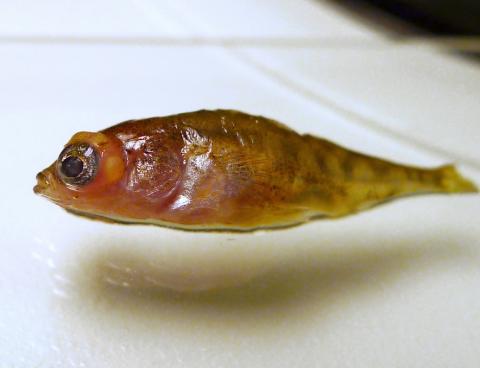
{"x":225,"y":170}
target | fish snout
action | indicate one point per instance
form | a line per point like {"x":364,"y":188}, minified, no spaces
{"x":43,"y":183}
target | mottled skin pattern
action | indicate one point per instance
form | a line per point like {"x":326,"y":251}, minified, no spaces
{"x":225,"y":169}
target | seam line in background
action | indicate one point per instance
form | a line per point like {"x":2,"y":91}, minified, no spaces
{"x":461,"y":44}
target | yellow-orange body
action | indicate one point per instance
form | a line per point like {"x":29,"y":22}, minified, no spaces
{"x":225,"y":169}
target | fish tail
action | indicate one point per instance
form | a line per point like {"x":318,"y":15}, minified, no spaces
{"x":451,"y":181}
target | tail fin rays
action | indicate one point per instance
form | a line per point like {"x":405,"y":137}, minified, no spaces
{"x":453,"y":182}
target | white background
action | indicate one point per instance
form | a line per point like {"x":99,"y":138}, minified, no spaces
{"x":396,"y":286}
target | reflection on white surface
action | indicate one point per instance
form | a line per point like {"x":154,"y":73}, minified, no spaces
{"x":394,"y":286}
{"x":417,"y":95}
{"x":277,"y":288}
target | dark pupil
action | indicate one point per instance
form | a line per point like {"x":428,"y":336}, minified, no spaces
{"x":72,"y":167}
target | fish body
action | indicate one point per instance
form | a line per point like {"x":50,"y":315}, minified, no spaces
{"x":225,"y":169}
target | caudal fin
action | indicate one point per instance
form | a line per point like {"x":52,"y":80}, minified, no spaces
{"x":452,"y":181}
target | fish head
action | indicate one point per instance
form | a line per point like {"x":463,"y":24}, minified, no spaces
{"x":88,"y":168}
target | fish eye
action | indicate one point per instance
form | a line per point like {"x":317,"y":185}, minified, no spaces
{"x":72,"y":167}
{"x":77,"y":164}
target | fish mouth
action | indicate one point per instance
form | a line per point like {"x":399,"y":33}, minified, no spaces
{"x":47,"y":188}
{"x":45,"y":185}
{"x":42,"y":183}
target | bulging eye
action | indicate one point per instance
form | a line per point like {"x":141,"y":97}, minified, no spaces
{"x":77,"y":164}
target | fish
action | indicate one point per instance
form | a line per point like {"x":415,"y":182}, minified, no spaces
{"x":225,"y":170}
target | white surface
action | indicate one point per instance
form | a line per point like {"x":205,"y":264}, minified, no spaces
{"x":395,"y":286}
{"x":178,"y":18}
{"x":412,"y":93}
